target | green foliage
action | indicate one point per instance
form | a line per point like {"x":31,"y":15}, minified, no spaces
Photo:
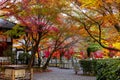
{"x":15,"y":32}
{"x":104,"y":69}
{"x":88,"y":66}
{"x":9,"y":53}
{"x":108,"y":69}
{"x":24,"y":57}
{"x":92,"y":48}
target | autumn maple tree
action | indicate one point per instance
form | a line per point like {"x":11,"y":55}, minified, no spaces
{"x":36,"y":17}
{"x":98,"y":17}
{"x":60,"y":43}
{"x":59,"y":24}
{"x":29,"y":15}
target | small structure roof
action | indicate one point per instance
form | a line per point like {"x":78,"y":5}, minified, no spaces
{"x":6,"y":24}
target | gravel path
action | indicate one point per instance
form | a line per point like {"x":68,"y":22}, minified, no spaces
{"x":61,"y":74}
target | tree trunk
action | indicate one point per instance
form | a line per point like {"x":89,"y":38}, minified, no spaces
{"x":31,"y":60}
{"x":39,"y":61}
{"x":47,"y":62}
{"x":32,"y":56}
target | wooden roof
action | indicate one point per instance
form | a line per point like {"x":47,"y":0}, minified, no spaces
{"x":6,"y":24}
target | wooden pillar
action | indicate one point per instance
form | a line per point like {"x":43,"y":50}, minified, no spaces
{"x":31,"y":74}
{"x":13,"y":74}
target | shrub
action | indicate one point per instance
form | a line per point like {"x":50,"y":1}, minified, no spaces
{"x":88,"y":66}
{"x":92,"y":48}
{"x":104,"y":69}
{"x":24,"y":57}
{"x":108,"y":69}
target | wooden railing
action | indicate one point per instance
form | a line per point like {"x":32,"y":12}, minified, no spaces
{"x":61,"y":65}
{"x":5,"y":61}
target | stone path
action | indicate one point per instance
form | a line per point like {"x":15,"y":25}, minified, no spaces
{"x":61,"y":74}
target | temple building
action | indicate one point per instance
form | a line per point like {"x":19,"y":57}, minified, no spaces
{"x":5,"y":41}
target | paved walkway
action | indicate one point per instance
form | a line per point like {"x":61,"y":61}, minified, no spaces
{"x":61,"y":74}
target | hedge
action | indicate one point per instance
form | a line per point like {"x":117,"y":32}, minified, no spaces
{"x":103,"y":69}
{"x":88,"y":66}
{"x":108,"y":69}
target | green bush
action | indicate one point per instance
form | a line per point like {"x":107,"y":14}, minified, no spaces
{"x":88,"y":66}
{"x":108,"y":69}
{"x":92,"y":48}
{"x":24,"y":58}
{"x":104,"y":69}
{"x":9,"y":53}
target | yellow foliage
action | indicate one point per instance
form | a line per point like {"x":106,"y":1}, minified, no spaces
{"x":117,"y":45}
{"x":105,"y":53}
{"x":118,"y":1}
{"x":18,"y":47}
{"x":104,"y":42}
{"x":94,"y":29}
{"x":90,"y":3}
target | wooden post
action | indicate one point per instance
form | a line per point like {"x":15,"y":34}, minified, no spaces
{"x":31,"y":74}
{"x":13,"y":74}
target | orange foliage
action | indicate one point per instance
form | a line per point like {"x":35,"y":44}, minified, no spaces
{"x":56,"y":54}
{"x":82,"y":32}
{"x":117,"y":54}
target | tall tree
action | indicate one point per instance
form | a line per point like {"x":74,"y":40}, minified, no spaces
{"x":36,"y":18}
{"x":60,"y":40}
{"x":97,"y":16}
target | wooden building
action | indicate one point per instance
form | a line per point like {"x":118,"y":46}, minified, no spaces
{"x":5,"y":41}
